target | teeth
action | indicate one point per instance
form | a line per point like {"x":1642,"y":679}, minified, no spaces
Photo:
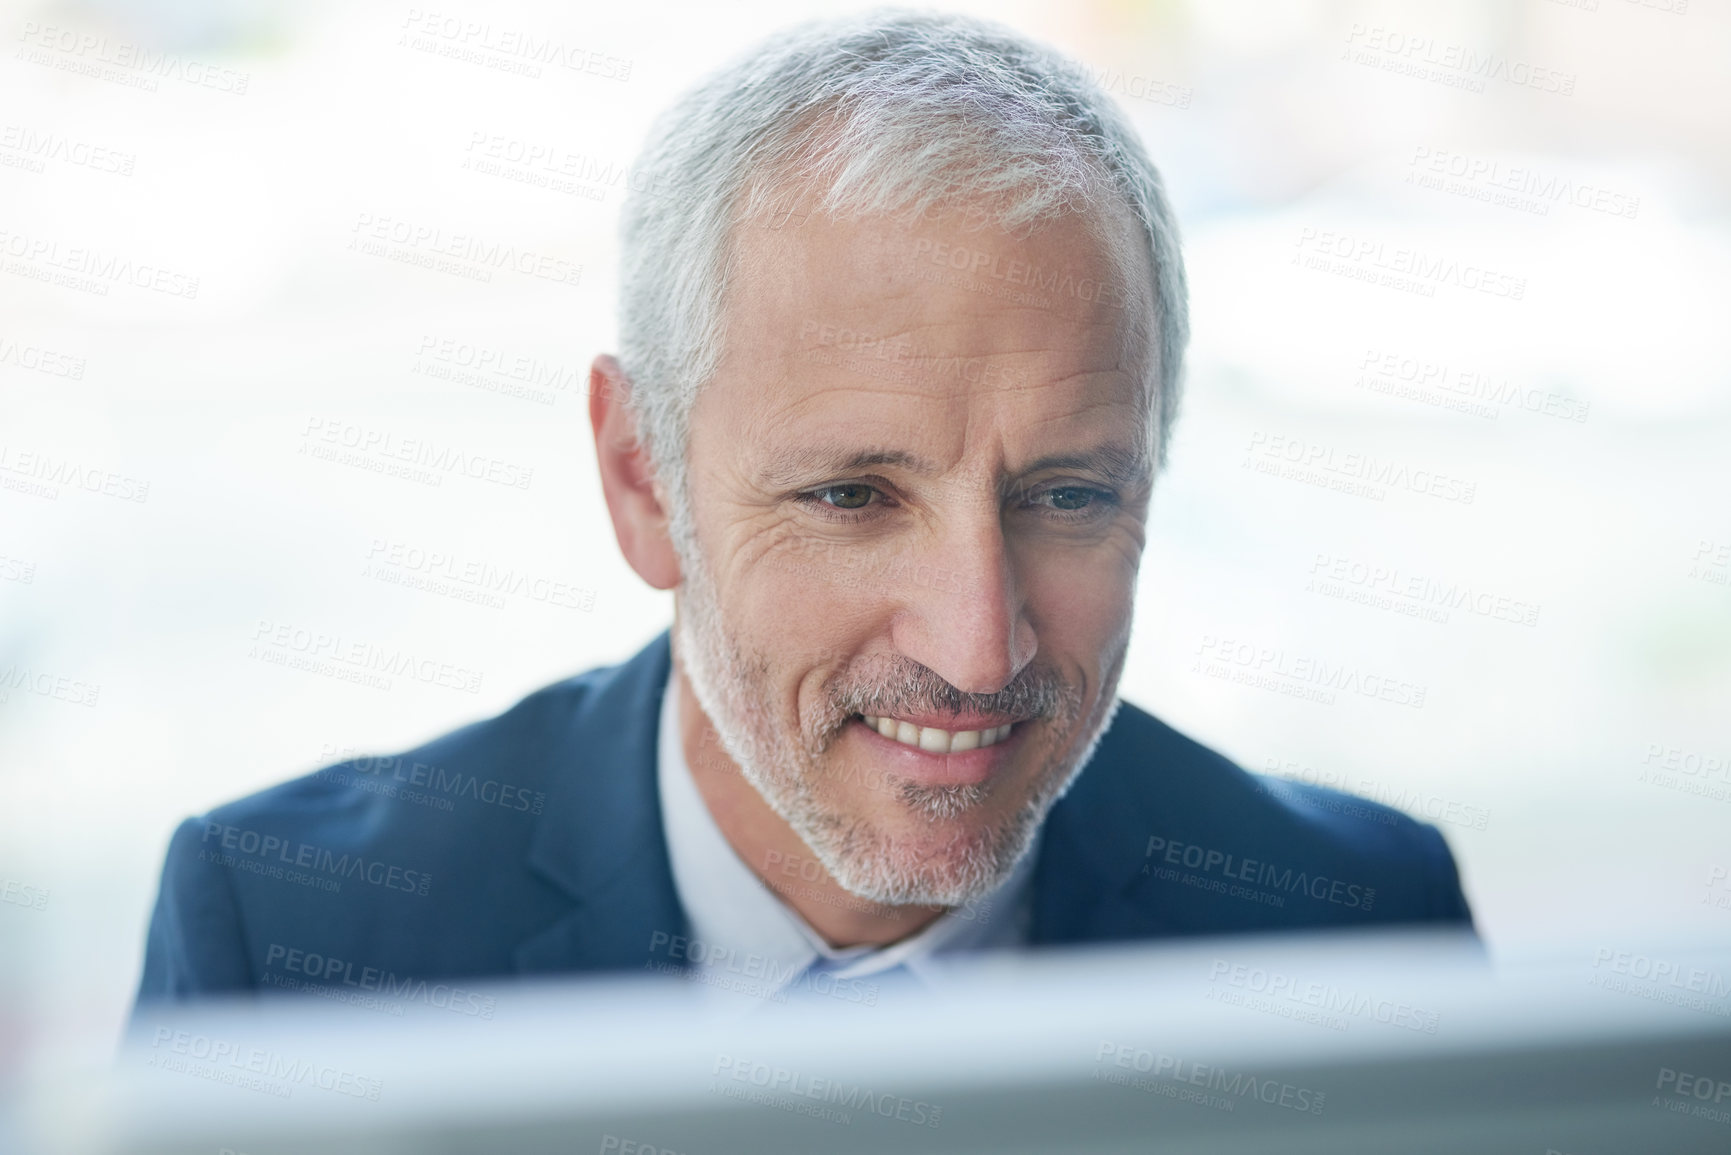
{"x":936,"y":741}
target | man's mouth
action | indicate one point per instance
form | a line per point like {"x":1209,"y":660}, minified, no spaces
{"x":934,"y":740}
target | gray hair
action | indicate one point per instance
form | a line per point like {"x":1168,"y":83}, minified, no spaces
{"x":881,"y":113}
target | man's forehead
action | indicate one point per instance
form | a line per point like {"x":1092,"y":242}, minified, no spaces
{"x":1077,"y":269}
{"x":925,"y":341}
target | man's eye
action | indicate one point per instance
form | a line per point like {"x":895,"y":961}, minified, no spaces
{"x":1072,"y":497}
{"x":845,"y":496}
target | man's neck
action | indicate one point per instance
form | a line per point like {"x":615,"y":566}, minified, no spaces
{"x":774,"y":852}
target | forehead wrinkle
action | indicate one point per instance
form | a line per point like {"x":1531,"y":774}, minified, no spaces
{"x":925,"y":363}
{"x":920,"y":389}
{"x":792,"y":406}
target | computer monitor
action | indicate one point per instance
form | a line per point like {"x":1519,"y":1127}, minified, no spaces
{"x":1332,"y":1045}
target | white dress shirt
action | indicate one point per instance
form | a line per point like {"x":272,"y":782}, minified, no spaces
{"x":746,"y":940}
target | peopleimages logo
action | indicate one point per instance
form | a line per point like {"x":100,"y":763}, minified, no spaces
{"x":495,"y":370}
{"x":1400,"y":266}
{"x":268,"y":853}
{"x":286,"y":644}
{"x":1691,"y":1093}
{"x":471,"y":255}
{"x":38,"y":147}
{"x":87,"y":52}
{"x":784,"y":1088}
{"x":1433,"y":807}
{"x":1275,"y":989}
{"x":1718,"y":879}
{"x":1258,"y":873}
{"x":503,"y":48}
{"x":1517,"y":186}
{"x":20,"y":894}
{"x":102,"y":267}
{"x":61,"y":687}
{"x":1695,"y":1086}
{"x":326,"y":970}
{"x":1476,"y":392}
{"x":980,"y":263}
{"x":1272,"y":668}
{"x":1168,"y":1069}
{"x":53,"y":472}
{"x":1666,"y":971}
{"x":41,"y":360}
{"x":346,"y":442}
{"x":441,"y":572}
{"x":726,"y":967}
{"x":1351,"y":472}
{"x":1456,"y":65}
{"x":615,"y":1143}
{"x":368,"y":773}
{"x":1388,"y":587}
{"x":210,"y":1053}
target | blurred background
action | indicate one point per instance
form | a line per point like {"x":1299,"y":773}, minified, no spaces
{"x":1457,"y":416}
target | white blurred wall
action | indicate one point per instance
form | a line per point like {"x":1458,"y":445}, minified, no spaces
{"x":262,"y":141}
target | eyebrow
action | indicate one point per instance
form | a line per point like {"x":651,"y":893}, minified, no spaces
{"x":1122,"y":467}
{"x":791,"y":466}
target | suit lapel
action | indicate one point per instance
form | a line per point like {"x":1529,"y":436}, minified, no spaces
{"x":600,"y":838}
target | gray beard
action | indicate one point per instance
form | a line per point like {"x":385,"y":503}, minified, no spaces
{"x":731,"y":686}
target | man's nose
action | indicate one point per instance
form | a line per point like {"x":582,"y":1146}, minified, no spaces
{"x":962,"y":614}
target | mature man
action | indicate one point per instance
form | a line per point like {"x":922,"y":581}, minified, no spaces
{"x":903,"y":318}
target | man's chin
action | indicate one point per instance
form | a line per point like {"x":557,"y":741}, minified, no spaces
{"x":922,"y":889}
{"x":910,"y":830}
{"x":914,"y":860}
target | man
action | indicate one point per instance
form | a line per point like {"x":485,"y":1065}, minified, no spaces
{"x":903,"y":319}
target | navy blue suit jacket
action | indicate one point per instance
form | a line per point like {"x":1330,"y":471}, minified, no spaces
{"x":531,"y":843}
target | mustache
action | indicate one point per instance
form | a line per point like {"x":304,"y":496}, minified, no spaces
{"x":905,"y":686}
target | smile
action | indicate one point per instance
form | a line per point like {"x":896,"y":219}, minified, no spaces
{"x":935,"y":741}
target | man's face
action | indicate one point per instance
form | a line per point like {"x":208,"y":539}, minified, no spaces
{"x":918,"y":490}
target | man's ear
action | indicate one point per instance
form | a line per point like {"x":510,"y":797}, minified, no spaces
{"x":635,"y":500}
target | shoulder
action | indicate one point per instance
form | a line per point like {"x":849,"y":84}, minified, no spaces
{"x":421,"y":865}
{"x":1232,"y":847}
{"x":415,"y":861}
